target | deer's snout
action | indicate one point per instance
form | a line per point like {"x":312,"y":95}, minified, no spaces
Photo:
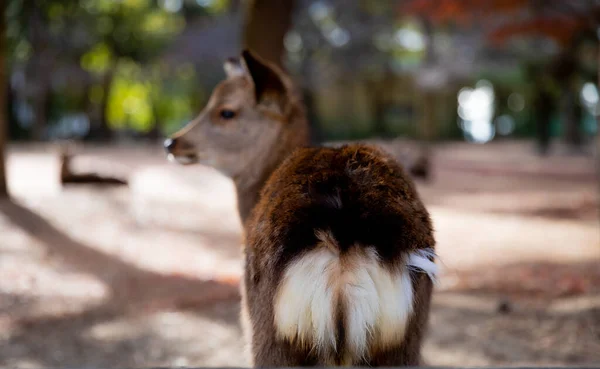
{"x":180,"y":150}
{"x":178,"y":146}
{"x":169,"y":144}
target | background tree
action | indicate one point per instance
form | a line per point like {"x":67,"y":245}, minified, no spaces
{"x":266,"y":25}
{"x":568,"y":23}
{"x":124,"y":32}
{"x":86,"y":41}
{"x":3,"y":112}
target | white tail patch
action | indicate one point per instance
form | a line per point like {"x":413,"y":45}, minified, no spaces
{"x":420,"y":261}
{"x":305,"y":303}
{"x":376,"y":302}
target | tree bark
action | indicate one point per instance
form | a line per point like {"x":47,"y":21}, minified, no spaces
{"x":379,"y":96}
{"x":155,"y":133}
{"x":598,"y":138}
{"x":565,"y":69}
{"x":40,"y":72}
{"x":104,"y":131}
{"x":427,"y":129}
{"x":543,"y":113}
{"x":3,"y":112}
{"x":379,"y":105}
{"x":572,"y":119}
{"x":267,"y":22}
{"x":41,"y":107}
{"x":428,"y":122}
{"x":308,"y":97}
{"x":99,"y":129}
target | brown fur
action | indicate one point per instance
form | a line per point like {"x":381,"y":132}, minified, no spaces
{"x":286,"y":193}
{"x":383,"y":184}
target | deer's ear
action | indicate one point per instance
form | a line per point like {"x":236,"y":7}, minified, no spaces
{"x":234,"y":67}
{"x":268,"y":86}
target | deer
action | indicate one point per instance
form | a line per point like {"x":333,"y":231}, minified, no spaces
{"x":339,"y":260}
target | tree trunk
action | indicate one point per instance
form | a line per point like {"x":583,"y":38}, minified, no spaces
{"x":155,"y":133}
{"x":3,"y":112}
{"x":378,"y":107}
{"x":104,"y":131}
{"x":543,"y":113}
{"x":428,"y":122}
{"x":99,"y":129}
{"x":40,"y":73}
{"x":267,"y":22}
{"x":598,"y":137}
{"x":426,"y":130}
{"x":308,"y":97}
{"x":572,"y":119}
{"x":41,"y":107}
{"x":379,"y":92}
{"x":565,"y":69}
{"x":234,"y":6}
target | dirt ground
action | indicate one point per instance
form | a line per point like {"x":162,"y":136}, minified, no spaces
{"x":146,"y":275}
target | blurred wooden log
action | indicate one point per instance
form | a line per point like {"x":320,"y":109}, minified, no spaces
{"x":67,"y":176}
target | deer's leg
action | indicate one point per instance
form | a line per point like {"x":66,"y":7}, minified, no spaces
{"x":270,"y":351}
{"x":267,"y":350}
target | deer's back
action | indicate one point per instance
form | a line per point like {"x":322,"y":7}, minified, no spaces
{"x":336,"y":251}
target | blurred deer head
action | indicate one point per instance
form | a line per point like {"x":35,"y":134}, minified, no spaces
{"x":251,"y":121}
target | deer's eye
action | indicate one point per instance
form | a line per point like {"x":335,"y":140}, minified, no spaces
{"x":227,"y":114}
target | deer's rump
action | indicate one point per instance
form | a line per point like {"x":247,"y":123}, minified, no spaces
{"x":345,"y":245}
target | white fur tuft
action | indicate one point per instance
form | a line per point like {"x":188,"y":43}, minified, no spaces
{"x":376,"y":302}
{"x":360,"y":295}
{"x":420,"y":261}
{"x":305,"y":300}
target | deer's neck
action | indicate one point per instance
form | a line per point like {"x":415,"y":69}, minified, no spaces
{"x":248,"y":195}
{"x":249,"y":184}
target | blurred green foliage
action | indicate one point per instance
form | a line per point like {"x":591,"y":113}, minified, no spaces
{"x":110,"y":58}
{"x":118,"y":44}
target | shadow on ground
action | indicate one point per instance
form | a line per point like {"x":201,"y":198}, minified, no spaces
{"x":126,"y":281}
{"x":138,"y":308}
{"x":546,"y":280}
{"x":467,"y":329}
